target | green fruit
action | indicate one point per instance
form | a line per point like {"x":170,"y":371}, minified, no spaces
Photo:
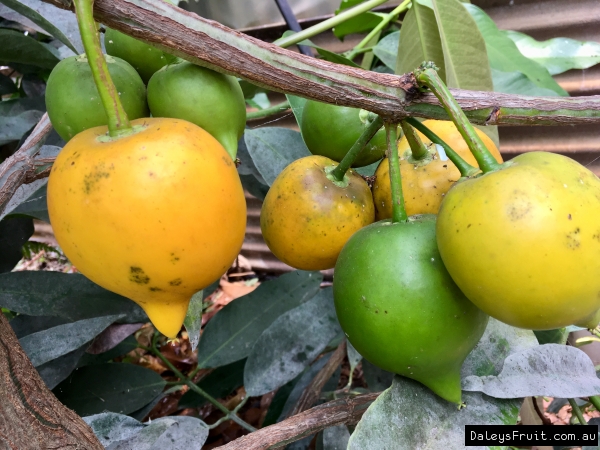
{"x":209,"y":99}
{"x":399,"y":307}
{"x":331,"y":131}
{"x":144,"y":58}
{"x":73,"y":102}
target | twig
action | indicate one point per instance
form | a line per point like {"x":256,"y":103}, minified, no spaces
{"x":312,"y":392}
{"x":540,"y":413}
{"x":341,"y":411}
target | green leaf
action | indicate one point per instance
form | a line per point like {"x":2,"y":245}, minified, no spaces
{"x":55,"y":371}
{"x":518,"y":83}
{"x":24,"y":325}
{"x":6,"y":85}
{"x":219,"y":384}
{"x":419,"y":41}
{"x":18,"y":116}
{"x":359,"y":24}
{"x":506,"y":57}
{"x":40,"y":21}
{"x":49,"y":344}
{"x":14,"y":232}
{"x":259,"y":101}
{"x":291,"y":343}
{"x":551,"y":370}
{"x":297,"y":104}
{"x":387,"y":49}
{"x":193,"y":319}
{"x":557,"y":336}
{"x":71,"y":296}
{"x":115,"y":387}
{"x":35,"y":206}
{"x":559,"y":54}
{"x":128,"y":344}
{"x":421,"y":419}
{"x":278,"y":402}
{"x":272,"y":149}
{"x":230,"y":335}
{"x":18,"y":48}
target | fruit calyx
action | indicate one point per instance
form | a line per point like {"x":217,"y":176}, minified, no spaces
{"x":122,"y":133}
{"x":343,"y":183}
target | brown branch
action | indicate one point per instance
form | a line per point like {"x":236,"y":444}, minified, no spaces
{"x":213,"y":45}
{"x":30,"y":415}
{"x":336,"y":412}
{"x":22,"y":167}
{"x":313,"y":391}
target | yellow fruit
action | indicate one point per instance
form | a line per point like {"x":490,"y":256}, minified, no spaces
{"x":424,"y":184}
{"x":155,"y":216}
{"x":306,"y":218}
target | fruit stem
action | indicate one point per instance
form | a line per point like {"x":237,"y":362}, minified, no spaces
{"x":595,"y":400}
{"x":398,"y":210}
{"x":418,"y":149}
{"x":465,"y":169}
{"x":280,"y":107}
{"x":380,"y":26}
{"x":118,"y":123}
{"x":577,"y":411}
{"x":427,"y":75}
{"x":328,"y":24}
{"x":375,"y":123}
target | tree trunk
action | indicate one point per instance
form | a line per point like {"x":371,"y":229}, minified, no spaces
{"x":31,"y":417}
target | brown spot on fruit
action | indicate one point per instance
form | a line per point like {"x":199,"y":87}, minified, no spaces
{"x":137,"y":275}
{"x":155,"y":289}
{"x":175,"y":282}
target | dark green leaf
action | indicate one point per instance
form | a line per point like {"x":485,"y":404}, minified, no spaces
{"x":19,"y":48}
{"x":116,"y":387}
{"x":254,"y":186}
{"x":23,"y":324}
{"x":377,"y":379}
{"x":557,"y":336}
{"x":219,"y":384}
{"x":231,"y":333}
{"x":124,"y":347}
{"x":6,"y":85}
{"x":556,"y":404}
{"x":278,"y":402}
{"x":55,"y":371}
{"x":14,"y":232}
{"x":51,"y":343}
{"x":112,"y":336}
{"x":19,"y":116}
{"x":272,"y":149}
{"x":387,"y":49}
{"x":336,"y":438}
{"x":518,"y":83}
{"x":35,"y":206}
{"x":290,"y":344}
{"x":367,"y":171}
{"x":66,"y":295}
{"x":359,"y":24}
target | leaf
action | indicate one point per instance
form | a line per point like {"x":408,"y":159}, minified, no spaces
{"x":71,"y":296}
{"x":377,"y":379}
{"x":6,"y":85}
{"x":325,"y":54}
{"x":14,"y":232}
{"x":297,"y":104}
{"x":24,"y":325}
{"x":112,"y":336}
{"x":409,"y":416}
{"x":272,"y":149}
{"x":556,"y":404}
{"x":358,"y":24}
{"x":231,"y":333}
{"x":558,"y":336}
{"x":559,"y":54}
{"x":19,"y":48}
{"x":111,"y":427}
{"x":353,"y":356}
{"x":518,"y":83}
{"x":116,"y":387}
{"x":498,"y":342}
{"x":387,"y":49}
{"x":291,"y":343}
{"x":419,"y":41}
{"x":278,"y":403}
{"x":52,"y":19}
{"x":39,"y":20}
{"x":219,"y":384}
{"x":505,"y":56}
{"x":336,"y":438}
{"x":193,"y":319}
{"x":259,"y":101}
{"x":129,"y":344}
{"x":13,"y":128}
{"x":49,"y":344}
{"x":55,"y":371}
{"x":551,"y":370}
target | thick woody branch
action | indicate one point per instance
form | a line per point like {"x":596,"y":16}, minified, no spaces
{"x":336,"y":412}
{"x":213,"y":45}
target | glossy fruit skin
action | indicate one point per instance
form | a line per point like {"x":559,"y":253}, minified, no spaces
{"x":144,"y":58}
{"x":155,"y":216}
{"x":399,"y":307}
{"x":306,"y":218}
{"x":425,"y":184}
{"x":331,"y":131}
{"x":209,"y":99}
{"x":523,"y":243}
{"x":73,"y":102}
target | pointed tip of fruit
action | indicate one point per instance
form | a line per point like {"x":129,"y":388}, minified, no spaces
{"x":167,"y":316}
{"x":446,"y":385}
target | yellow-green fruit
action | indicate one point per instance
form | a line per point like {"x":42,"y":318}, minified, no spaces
{"x":523,"y":243}
{"x":202,"y":96}
{"x":155,"y":216}
{"x":144,"y":58}
{"x":307,"y":218}
{"x":424,"y":183}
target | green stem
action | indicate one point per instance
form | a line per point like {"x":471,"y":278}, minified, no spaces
{"x":367,"y":134}
{"x":418,"y":149}
{"x":465,"y":169}
{"x":595,"y":400}
{"x":380,"y":26}
{"x":428,"y":76}
{"x":118,"y":123}
{"x":577,"y":410}
{"x":328,"y":24}
{"x":268,"y":111}
{"x":398,"y":210}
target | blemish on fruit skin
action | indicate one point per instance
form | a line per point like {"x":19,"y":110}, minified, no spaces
{"x":175,"y":282}
{"x":137,"y":275}
{"x":155,"y":289}
{"x":91,"y":179}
